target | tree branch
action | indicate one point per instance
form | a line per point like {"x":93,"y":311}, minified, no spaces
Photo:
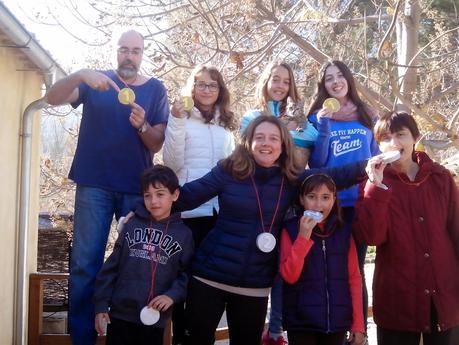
{"x":388,"y":32}
{"x":417,"y":110}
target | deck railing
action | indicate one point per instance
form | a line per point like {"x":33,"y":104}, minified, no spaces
{"x":36,"y":335}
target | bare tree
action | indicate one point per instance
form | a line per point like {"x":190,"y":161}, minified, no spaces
{"x":398,"y":59}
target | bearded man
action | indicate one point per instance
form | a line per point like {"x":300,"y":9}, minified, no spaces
{"x":122,"y":127}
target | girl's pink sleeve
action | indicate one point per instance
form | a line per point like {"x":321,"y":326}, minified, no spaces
{"x":355,"y":285}
{"x":292,"y":256}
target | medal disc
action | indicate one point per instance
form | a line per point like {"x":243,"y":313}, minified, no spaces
{"x":187,"y":102}
{"x":317,"y":216}
{"x":149,"y":316}
{"x":266,"y":242}
{"x":332,"y":104}
{"x":126,"y":96}
{"x":389,"y":157}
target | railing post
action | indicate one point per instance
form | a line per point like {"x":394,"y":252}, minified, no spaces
{"x":35,"y":309}
{"x":167,"y":340}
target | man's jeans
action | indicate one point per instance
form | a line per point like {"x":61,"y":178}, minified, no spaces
{"x":94,"y":210}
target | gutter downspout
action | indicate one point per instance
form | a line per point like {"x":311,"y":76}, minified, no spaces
{"x":22,"y":278}
{"x":26,"y":42}
{"x":47,"y":66}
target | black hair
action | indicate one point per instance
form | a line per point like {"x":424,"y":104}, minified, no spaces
{"x":159,"y":175}
{"x":311,"y":182}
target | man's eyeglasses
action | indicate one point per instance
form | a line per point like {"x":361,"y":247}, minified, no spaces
{"x":201,"y":86}
{"x":127,"y":51}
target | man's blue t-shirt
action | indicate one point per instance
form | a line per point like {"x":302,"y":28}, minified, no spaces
{"x":340,"y":143}
{"x":110,"y":153}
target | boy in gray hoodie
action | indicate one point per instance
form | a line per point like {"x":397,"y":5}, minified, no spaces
{"x":145,"y":275}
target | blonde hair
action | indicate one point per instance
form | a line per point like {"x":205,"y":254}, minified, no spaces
{"x":261,"y":92}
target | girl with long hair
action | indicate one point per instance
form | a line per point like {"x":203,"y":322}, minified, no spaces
{"x":345,"y":135}
{"x":277,"y":95}
{"x":195,"y":141}
{"x":322,"y":292}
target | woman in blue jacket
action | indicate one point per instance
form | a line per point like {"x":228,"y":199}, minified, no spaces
{"x":277,"y":95}
{"x":236,"y":263}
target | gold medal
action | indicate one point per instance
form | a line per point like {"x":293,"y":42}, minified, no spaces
{"x":419,"y":146}
{"x":187,"y":102}
{"x":331,"y":104}
{"x":126,"y":96}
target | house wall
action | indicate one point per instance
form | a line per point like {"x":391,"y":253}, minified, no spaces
{"x":20,"y":85}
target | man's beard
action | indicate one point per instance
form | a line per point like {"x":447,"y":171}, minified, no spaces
{"x":127,"y":72}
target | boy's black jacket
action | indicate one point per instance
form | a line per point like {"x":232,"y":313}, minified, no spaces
{"x":123,"y":284}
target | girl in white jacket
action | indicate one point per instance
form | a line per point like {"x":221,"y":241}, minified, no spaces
{"x":195,"y":141}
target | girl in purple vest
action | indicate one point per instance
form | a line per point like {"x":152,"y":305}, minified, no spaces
{"x":322,"y":293}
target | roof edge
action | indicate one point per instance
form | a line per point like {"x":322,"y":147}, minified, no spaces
{"x":21,"y":37}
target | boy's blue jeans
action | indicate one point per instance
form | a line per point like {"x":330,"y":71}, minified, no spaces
{"x":94,"y":210}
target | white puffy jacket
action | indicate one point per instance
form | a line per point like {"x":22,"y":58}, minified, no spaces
{"x":192,"y":148}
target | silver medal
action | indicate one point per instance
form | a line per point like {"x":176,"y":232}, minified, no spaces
{"x":266,"y":242}
{"x":149,"y":316}
{"x":389,"y":157}
{"x":316,"y":215}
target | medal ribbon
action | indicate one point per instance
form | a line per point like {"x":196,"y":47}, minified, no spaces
{"x":260,"y":208}
{"x":154,"y":266}
{"x":122,"y":80}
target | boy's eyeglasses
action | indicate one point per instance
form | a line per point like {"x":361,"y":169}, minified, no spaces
{"x":127,"y":51}
{"x":201,"y":86}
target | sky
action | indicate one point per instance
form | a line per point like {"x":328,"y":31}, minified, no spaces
{"x":66,"y":50}
{"x":70,"y":54}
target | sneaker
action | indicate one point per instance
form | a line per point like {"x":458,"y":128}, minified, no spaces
{"x":267,"y":340}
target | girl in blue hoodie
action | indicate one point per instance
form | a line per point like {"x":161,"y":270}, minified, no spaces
{"x":345,"y":135}
{"x":277,"y":95}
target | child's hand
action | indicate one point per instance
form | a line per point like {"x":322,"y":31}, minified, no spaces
{"x":374,"y":169}
{"x":324,"y":112}
{"x":128,"y":216}
{"x":123,"y":220}
{"x":100,"y":323}
{"x":306,"y":226}
{"x":356,"y":338}
{"x":177,"y":109}
{"x":161,"y":303}
{"x":292,"y":125}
